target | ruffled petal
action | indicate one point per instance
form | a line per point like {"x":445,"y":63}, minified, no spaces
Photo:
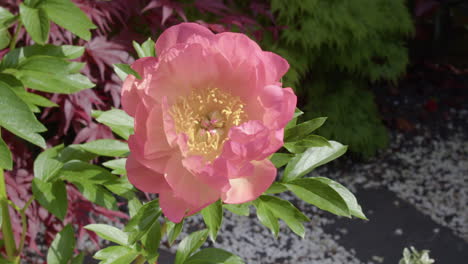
{"x":278,"y":104}
{"x":179,"y":72}
{"x":187,"y":186}
{"x":181,"y":33}
{"x":203,"y":171}
{"x":144,"y":178}
{"x":176,"y":208}
{"x":173,"y":207}
{"x":248,"y":188}
{"x":247,"y":142}
{"x":157,"y":161}
{"x":133,"y":89}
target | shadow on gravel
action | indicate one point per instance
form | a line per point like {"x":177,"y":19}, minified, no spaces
{"x":393,"y":225}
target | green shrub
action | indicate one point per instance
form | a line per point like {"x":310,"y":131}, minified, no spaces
{"x":357,"y":42}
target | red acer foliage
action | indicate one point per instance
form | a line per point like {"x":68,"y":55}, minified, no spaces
{"x":118,"y":22}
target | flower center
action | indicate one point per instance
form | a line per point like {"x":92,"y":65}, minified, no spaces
{"x":205,"y":116}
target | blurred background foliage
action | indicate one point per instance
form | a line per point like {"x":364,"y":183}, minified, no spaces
{"x":340,"y":51}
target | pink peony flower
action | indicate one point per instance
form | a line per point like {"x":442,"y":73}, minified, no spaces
{"x":209,"y":111}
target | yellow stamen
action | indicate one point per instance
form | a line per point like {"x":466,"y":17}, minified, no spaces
{"x":206,"y":115}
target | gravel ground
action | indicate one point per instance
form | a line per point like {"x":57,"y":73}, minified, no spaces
{"x":425,"y":169}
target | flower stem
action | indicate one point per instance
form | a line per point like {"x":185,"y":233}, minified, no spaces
{"x":15,"y":36}
{"x":8,"y":237}
{"x":139,"y":260}
{"x":24,"y":223}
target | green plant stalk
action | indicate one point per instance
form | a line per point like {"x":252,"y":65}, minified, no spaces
{"x":139,"y":260}
{"x":7,"y":231}
{"x":15,"y":36}
{"x":24,"y":223}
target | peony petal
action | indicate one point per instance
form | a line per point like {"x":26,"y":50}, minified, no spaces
{"x":155,"y":134}
{"x":247,"y":142}
{"x":132,"y":89}
{"x":178,"y":72}
{"x":173,"y":207}
{"x":279,"y":105}
{"x":203,"y":171}
{"x":156,"y":161}
{"x":144,"y":178}
{"x":275,"y":67}
{"x":176,"y":208}
{"x":188,"y":186}
{"x":248,"y":188}
{"x":180,"y":33}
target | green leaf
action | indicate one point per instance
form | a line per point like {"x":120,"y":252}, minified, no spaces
{"x":287,"y":212}
{"x":5,"y":17}
{"x":239,"y":209}
{"x":5,"y":156}
{"x":293,"y":121}
{"x":303,"y":129}
{"x":51,"y":74}
{"x":150,"y":242}
{"x":75,"y":152}
{"x":5,"y":37}
{"x":91,"y":181}
{"x":84,"y":172}
{"x":122,"y":187}
{"x":119,"y":121}
{"x":61,"y":249}
{"x":146,"y":49}
{"x":213,"y":217}
{"x":13,"y":58}
{"x":16,"y":117}
{"x":266,"y":217}
{"x":280,"y":159}
{"x":52,"y":196}
{"x":35,"y":99}
{"x":276,"y":187}
{"x":47,"y":166}
{"x":122,"y":70}
{"x":36,"y":22}
{"x":141,"y":223}
{"x":320,"y":194}
{"x":117,"y":166}
{"x":133,"y":206}
{"x":107,"y":147}
{"x":110,"y":233}
{"x":348,"y":197}
{"x":311,"y":159}
{"x":214,"y":256}
{"x":97,"y":194}
{"x":309,"y":141}
{"x":116,"y":255}
{"x":67,"y":15}
{"x":173,"y":230}
{"x":78,"y":259}
{"x":189,"y":245}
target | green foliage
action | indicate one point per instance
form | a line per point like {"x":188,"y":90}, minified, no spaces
{"x":363,"y":37}
{"x":52,"y":196}
{"x":214,"y":256}
{"x":61,"y":249}
{"x":356,"y":121}
{"x":117,"y":120}
{"x":358,"y":41}
{"x":189,"y":245}
{"x":146,"y":49}
{"x":213,"y":217}
{"x":413,"y":256}
{"x":173,"y":230}
{"x":312,"y":158}
{"x":271,"y":208}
